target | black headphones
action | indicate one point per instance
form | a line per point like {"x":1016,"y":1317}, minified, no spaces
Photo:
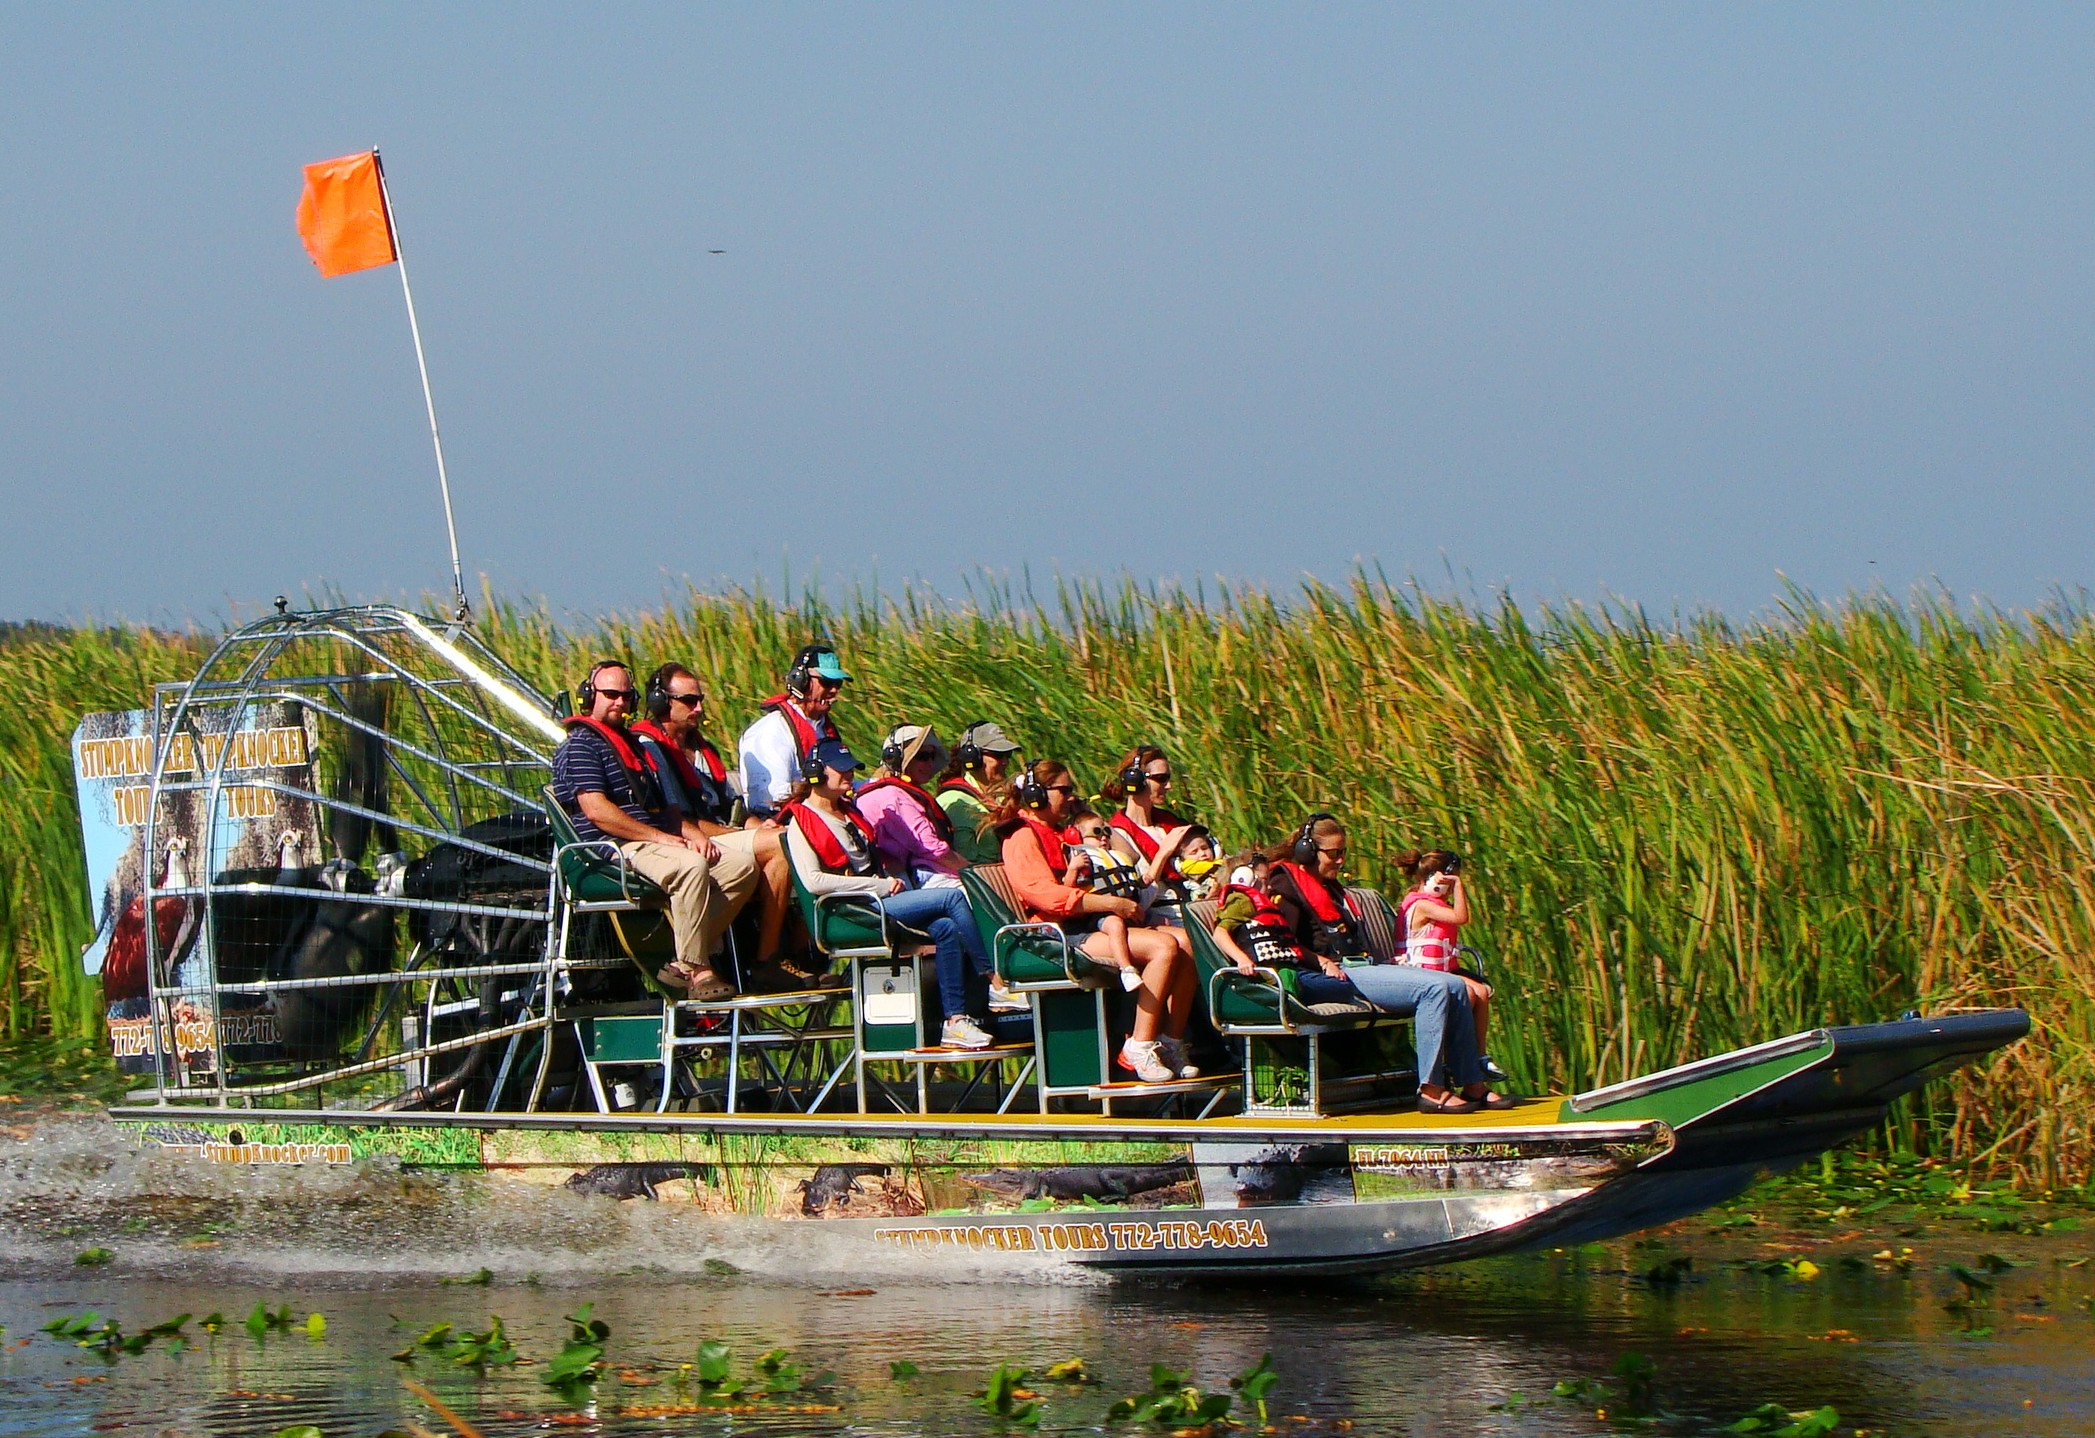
{"x":803,"y":668}
{"x":658,"y":691}
{"x":891,"y":753}
{"x":811,"y":768}
{"x":586,"y":690}
{"x":967,"y":751}
{"x":1029,"y":789}
{"x":1303,"y":850}
{"x":1134,"y":776}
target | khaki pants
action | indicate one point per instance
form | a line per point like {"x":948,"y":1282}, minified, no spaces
{"x":704,"y":896}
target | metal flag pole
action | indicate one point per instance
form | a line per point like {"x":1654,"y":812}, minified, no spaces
{"x":458,"y":578}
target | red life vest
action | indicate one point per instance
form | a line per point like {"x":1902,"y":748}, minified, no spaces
{"x":829,"y":849}
{"x":1054,"y":842}
{"x":940,"y":820}
{"x":641,"y":781}
{"x":807,"y":733}
{"x":1337,"y":922}
{"x":962,"y":785}
{"x":708,"y":792}
{"x":1266,"y":935}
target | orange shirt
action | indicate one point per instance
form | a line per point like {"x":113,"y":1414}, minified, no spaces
{"x":1039,"y":887}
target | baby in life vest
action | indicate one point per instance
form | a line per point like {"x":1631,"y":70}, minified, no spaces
{"x":1199,"y":866}
{"x":1096,"y":865}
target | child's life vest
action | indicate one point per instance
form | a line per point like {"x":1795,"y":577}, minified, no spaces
{"x":1265,"y":936}
{"x":1144,"y":844}
{"x":1113,"y":874}
{"x":1432,"y":943}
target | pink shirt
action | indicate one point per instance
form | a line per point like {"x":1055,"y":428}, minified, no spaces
{"x":905,"y":834}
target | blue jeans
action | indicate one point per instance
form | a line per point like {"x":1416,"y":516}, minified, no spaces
{"x":1443,"y":1030}
{"x":944,"y":914}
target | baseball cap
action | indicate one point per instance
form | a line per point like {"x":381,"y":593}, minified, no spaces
{"x":831,"y":754}
{"x":915,"y":740}
{"x":988,"y":738}
{"x":824,"y":664}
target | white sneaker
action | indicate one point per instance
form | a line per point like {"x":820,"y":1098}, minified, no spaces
{"x":1003,"y":1001}
{"x":1130,"y":978}
{"x":1173,"y":1053}
{"x":962,"y":1032}
{"x":1143,"y":1061}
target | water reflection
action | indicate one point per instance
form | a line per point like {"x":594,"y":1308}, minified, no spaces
{"x":1444,"y":1353}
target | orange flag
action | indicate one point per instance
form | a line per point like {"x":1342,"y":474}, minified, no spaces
{"x":342,"y":215}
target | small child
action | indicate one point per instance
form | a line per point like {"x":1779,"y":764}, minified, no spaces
{"x":1199,"y":871}
{"x":1434,"y":912}
{"x":1248,"y":929}
{"x":1096,"y":865}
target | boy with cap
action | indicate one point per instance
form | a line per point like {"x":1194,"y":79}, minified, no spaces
{"x":981,"y":761}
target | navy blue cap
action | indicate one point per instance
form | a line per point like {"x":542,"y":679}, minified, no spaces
{"x":831,"y":754}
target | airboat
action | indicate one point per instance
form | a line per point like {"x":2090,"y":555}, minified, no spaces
{"x":340,"y":919}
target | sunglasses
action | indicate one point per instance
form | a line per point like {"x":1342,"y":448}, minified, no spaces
{"x":692,"y":699}
{"x":1159,"y":778}
{"x":631,"y":696}
{"x":1061,"y":788}
{"x":1331,"y":848}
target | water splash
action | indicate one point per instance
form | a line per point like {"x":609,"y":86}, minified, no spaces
{"x":73,"y":1183}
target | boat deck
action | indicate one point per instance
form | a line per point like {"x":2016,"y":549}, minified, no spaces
{"x":1538,"y":1118}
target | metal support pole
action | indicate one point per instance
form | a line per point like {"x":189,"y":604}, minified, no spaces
{"x":458,"y":578}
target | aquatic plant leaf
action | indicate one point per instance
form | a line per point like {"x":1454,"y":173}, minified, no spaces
{"x":435,"y":1336}
{"x":712,"y":1362}
{"x":315,"y":1326}
{"x":1069,"y":1370}
{"x":257,"y":1323}
{"x":1254,"y":1381}
{"x":92,"y":1257}
{"x":300,"y":1430}
{"x":167,"y":1328}
{"x":901,"y":1369}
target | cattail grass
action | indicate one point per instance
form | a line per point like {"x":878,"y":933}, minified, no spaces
{"x":1682,"y":837}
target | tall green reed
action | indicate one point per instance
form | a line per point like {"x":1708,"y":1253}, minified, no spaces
{"x":1683,"y":837}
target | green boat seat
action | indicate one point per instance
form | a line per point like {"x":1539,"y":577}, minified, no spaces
{"x":1288,"y":1067}
{"x":1028,"y":955}
{"x":853,"y":926}
{"x":592,"y":871}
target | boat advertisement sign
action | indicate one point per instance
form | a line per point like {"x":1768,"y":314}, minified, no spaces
{"x":241,"y":835}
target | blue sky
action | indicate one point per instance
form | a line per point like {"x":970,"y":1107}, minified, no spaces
{"x":1659,"y":302}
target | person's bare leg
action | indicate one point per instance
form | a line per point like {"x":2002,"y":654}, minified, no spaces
{"x":1153,"y":954}
{"x":1115,"y":929}
{"x":1179,"y":1005}
{"x":1480,"y":1005}
{"x":778,"y":892}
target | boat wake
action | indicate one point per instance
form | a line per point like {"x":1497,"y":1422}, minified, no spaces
{"x":74,"y":1185}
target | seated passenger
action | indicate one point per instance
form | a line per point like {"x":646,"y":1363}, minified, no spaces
{"x":832,"y":851}
{"x":1032,"y":821}
{"x":613,"y":791}
{"x":699,"y":781}
{"x":1200,"y":870}
{"x":785,"y":734}
{"x":914,"y":835}
{"x":1144,"y":829}
{"x":981,"y":764}
{"x":1319,"y":930}
{"x":1096,"y":865}
{"x":1434,"y":912}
